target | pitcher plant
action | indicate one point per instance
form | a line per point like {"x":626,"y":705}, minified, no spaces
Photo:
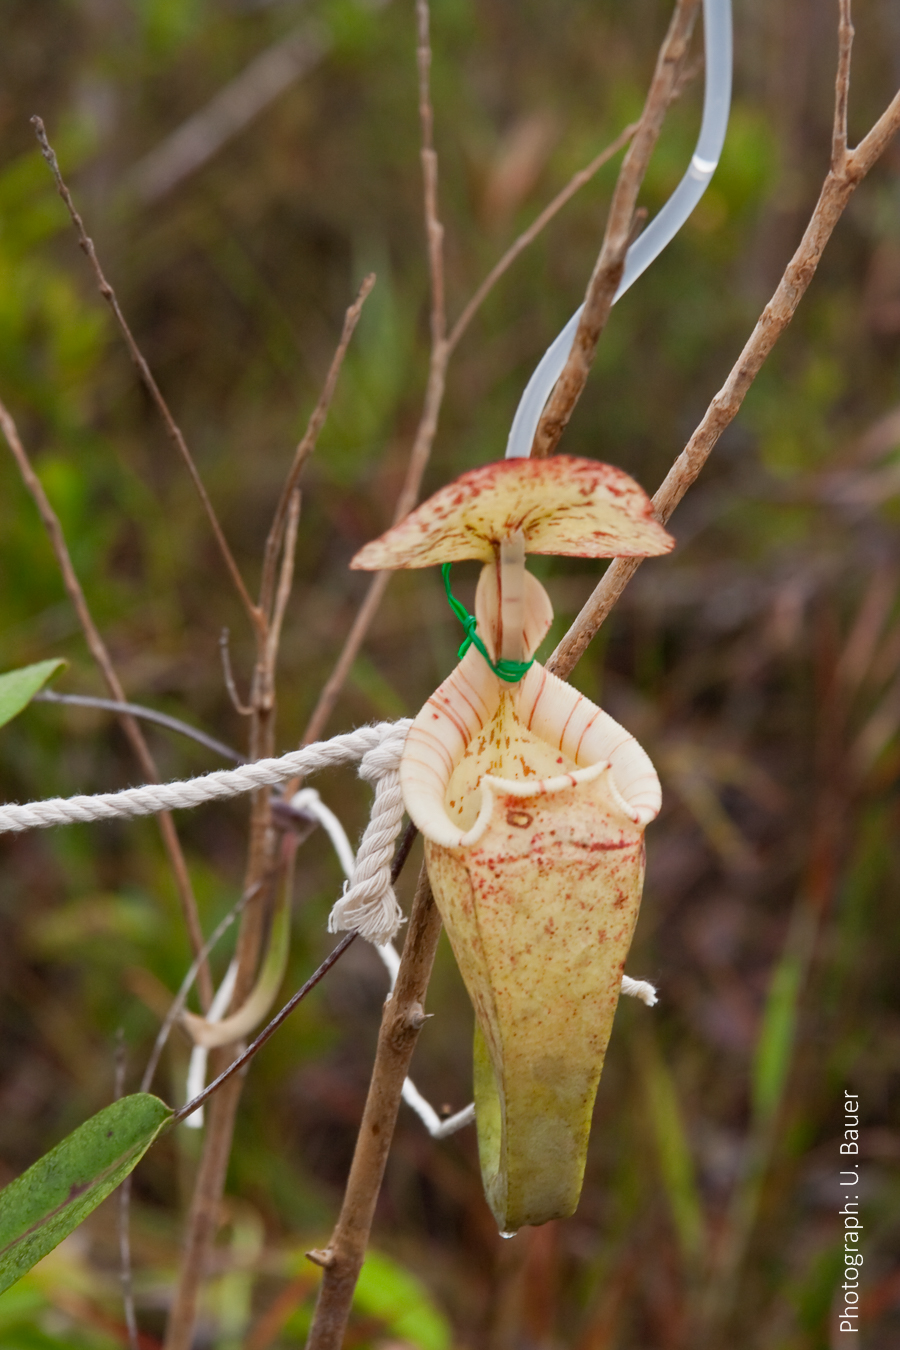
{"x":533,"y":804}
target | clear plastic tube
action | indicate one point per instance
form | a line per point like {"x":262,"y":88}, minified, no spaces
{"x":663,"y":228}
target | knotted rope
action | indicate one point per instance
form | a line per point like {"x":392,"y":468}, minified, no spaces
{"x":368,"y":905}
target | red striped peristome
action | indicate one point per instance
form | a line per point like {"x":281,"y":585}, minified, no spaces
{"x":559,"y":715}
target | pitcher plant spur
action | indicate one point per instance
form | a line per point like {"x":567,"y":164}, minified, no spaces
{"x":533,"y":804}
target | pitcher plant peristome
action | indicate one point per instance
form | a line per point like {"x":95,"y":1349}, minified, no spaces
{"x":533,"y":804}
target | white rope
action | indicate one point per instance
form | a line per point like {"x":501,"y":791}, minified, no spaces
{"x":308,"y":800}
{"x":144,"y":801}
{"x":641,"y":989}
{"x":368,"y":905}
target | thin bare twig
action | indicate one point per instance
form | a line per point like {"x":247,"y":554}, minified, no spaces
{"x":434,"y":389}
{"x":173,"y":430}
{"x":334,"y":684}
{"x":138,"y":710}
{"x":838,"y":188}
{"x":171,"y":1017}
{"x":286,"y":579}
{"x":269,"y":865}
{"x":434,"y":393}
{"x":611,"y":261}
{"x":180,"y":999}
{"x":101,"y":655}
{"x":400,"y":857}
{"x":402,"y":1021}
{"x":203,"y":1215}
{"x":269,"y":1030}
{"x":433,"y":226}
{"x":235,"y":105}
{"x":243,"y":709}
{"x":528,"y":236}
{"x":842,"y":86}
{"x":308,"y":444}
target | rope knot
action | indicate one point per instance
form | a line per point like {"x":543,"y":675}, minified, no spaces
{"x":368,"y":905}
{"x":385,"y":757}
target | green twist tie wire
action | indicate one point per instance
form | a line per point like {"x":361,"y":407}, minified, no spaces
{"x":510,"y":671}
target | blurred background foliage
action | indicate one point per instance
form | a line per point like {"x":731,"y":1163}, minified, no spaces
{"x":759,"y":665}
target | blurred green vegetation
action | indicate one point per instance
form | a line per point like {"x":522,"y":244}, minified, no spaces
{"x":759,"y":665}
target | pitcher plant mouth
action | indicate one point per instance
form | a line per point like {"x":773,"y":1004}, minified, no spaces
{"x":533,"y":803}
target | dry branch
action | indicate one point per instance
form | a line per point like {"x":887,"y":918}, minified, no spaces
{"x":607,"y":273}
{"x":402,"y":1021}
{"x":841,"y":182}
{"x":528,"y":236}
{"x":269,"y":867}
{"x":442,"y":350}
{"x":236,"y":104}
{"x":307,"y":445}
{"x":331,"y":690}
{"x":138,"y":710}
{"x":434,"y":389}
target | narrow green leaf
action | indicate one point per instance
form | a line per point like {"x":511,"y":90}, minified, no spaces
{"x":672,"y":1147}
{"x":18,"y":687}
{"x":775,"y":1047}
{"x":44,"y":1204}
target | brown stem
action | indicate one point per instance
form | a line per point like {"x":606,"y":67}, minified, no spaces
{"x":528,"y":236}
{"x":307,"y":445}
{"x":434,"y":228}
{"x":172,"y":429}
{"x":203,"y":1217}
{"x":334,"y":684}
{"x":425,"y":433}
{"x":608,"y":271}
{"x":100,"y":653}
{"x":400,"y":1026}
{"x":837,"y":190}
{"x":242,"y":709}
{"x":268,"y":868}
{"x":285,"y":580}
{"x":842,"y":86}
{"x":434,"y":390}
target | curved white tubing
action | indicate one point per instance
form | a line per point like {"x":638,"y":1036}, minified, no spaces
{"x":663,"y":228}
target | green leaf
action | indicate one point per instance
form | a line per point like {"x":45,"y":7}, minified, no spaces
{"x":18,"y":687}
{"x":672,"y":1146}
{"x":392,"y":1294}
{"x":44,"y":1204}
{"x":778,"y":1033}
{"x":775,"y":1047}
